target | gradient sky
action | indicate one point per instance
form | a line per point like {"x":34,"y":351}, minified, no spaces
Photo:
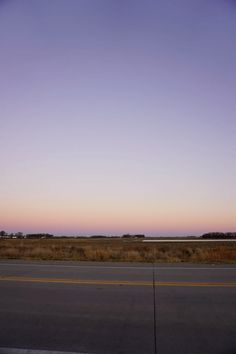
{"x":118,"y":116}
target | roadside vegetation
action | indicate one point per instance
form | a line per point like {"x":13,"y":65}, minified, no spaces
{"x":117,"y":250}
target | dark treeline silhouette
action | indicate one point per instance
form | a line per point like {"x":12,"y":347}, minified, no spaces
{"x":39,"y":235}
{"x":98,"y":236}
{"x":219,"y":235}
{"x":209,"y":235}
{"x":4,"y":234}
{"x":133,"y":236}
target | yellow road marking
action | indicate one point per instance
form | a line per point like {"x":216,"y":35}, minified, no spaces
{"x":114,"y":282}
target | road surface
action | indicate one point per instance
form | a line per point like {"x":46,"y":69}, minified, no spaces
{"x":117,"y":308}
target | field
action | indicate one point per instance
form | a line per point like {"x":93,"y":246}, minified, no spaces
{"x":116,"y":250}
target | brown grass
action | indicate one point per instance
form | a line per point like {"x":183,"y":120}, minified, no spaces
{"x":116,"y":250}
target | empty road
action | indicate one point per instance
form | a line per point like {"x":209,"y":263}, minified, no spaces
{"x":117,"y":308}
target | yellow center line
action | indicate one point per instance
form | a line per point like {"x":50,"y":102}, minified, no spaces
{"x":115,"y":282}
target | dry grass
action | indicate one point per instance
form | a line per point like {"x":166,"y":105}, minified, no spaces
{"x":116,"y":250}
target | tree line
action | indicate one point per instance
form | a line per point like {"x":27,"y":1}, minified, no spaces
{"x":4,"y":234}
{"x":219,"y":235}
{"x":209,"y":235}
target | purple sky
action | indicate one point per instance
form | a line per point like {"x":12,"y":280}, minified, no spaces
{"x":118,"y":116}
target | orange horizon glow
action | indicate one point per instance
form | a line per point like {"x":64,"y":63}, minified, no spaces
{"x":98,"y":221}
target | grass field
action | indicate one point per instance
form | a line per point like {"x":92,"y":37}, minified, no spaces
{"x":116,"y":250}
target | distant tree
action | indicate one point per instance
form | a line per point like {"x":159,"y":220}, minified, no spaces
{"x":97,"y":236}
{"x":127,"y":236}
{"x":3,"y":233}
{"x":230,"y":234}
{"x":214,"y":235}
{"x":42,"y":235}
{"x":19,"y":234}
{"x":133,"y":236}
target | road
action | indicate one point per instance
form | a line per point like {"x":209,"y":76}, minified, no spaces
{"x":113,"y":308}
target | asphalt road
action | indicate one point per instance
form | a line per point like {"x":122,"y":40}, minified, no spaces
{"x":113,"y":308}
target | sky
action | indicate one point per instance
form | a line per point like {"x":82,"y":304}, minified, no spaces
{"x":118,"y":116}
